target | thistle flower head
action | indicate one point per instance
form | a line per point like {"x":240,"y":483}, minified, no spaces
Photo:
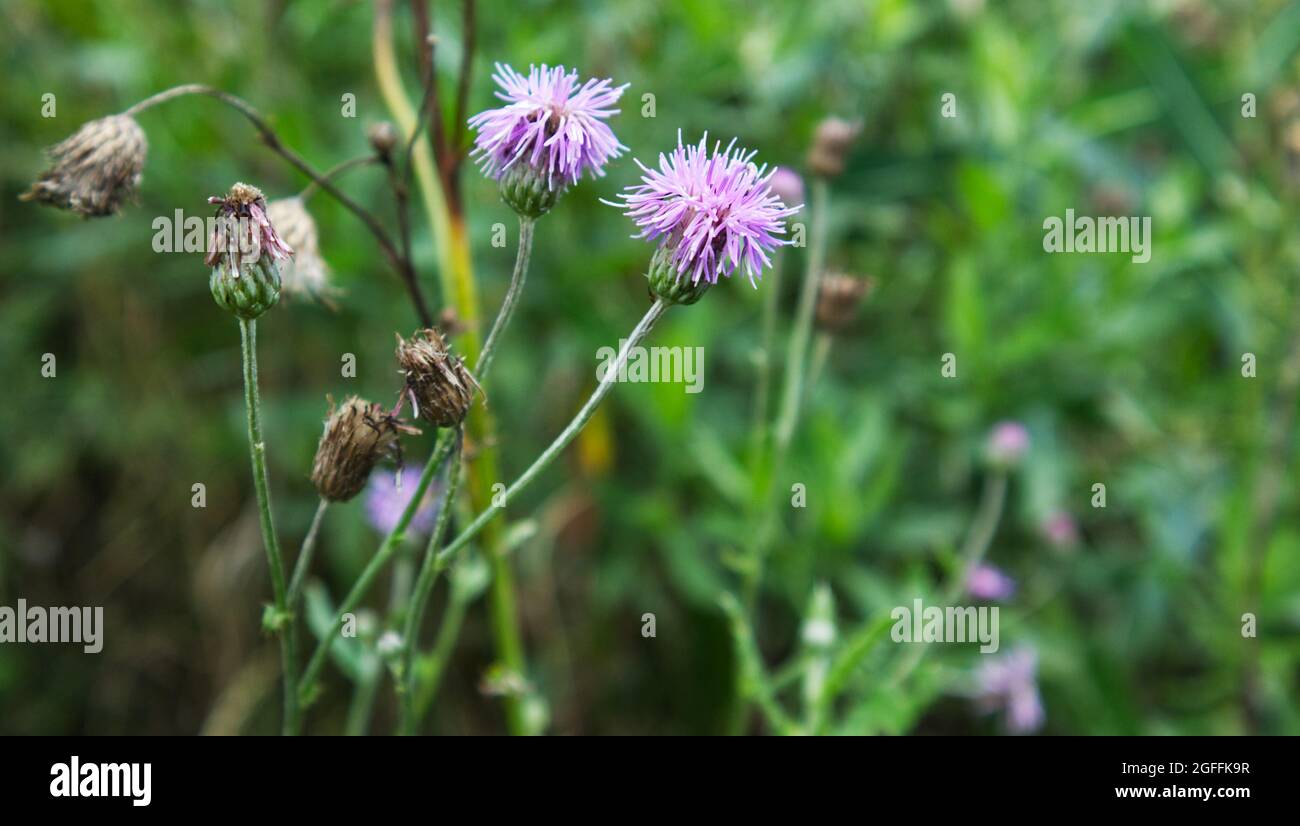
{"x":712,"y":212}
{"x":551,"y":131}
{"x":96,"y":169}
{"x":244,"y":252}
{"x":306,"y":273}
{"x":1007,"y":444}
{"x":985,"y":581}
{"x":437,"y":383}
{"x":357,"y":435}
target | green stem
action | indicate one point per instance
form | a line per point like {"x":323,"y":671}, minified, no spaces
{"x":372,"y":569}
{"x":762,"y":392}
{"x":435,"y":664}
{"x":304,"y":556}
{"x":977,"y":542}
{"x":512,"y":298}
{"x":566,"y":436}
{"x":795,"y":367}
{"x":428,"y":577}
{"x":257,"y":453}
{"x":363,"y":703}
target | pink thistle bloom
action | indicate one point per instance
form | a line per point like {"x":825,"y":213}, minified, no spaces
{"x":1009,"y":683}
{"x":549,"y":122}
{"x":1061,"y":530}
{"x":715,"y":212}
{"x":1007,"y":444}
{"x":988,"y":582}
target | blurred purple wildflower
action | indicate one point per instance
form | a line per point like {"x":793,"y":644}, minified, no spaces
{"x":1061,"y":530}
{"x":1008,"y":683}
{"x":716,"y":212}
{"x":988,"y":582}
{"x":385,"y":502}
{"x":787,"y":185}
{"x":550,"y":122}
{"x":1007,"y":444}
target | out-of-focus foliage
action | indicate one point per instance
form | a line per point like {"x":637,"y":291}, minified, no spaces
{"x":1126,"y":374}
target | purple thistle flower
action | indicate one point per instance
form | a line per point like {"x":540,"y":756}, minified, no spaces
{"x":1007,"y":444}
{"x":787,"y":185}
{"x":716,"y":213}
{"x":550,"y":122}
{"x":988,"y":582}
{"x":385,"y":501}
{"x":1008,"y":683}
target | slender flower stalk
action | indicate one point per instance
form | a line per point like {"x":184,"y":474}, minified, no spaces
{"x":257,"y":454}
{"x":305,"y":554}
{"x":428,"y":577}
{"x":429,"y":670}
{"x":566,"y":436}
{"x":516,"y":288}
{"x":390,"y":544}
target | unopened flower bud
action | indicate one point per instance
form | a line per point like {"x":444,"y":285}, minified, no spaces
{"x":357,"y":435}
{"x":439,"y":386}
{"x":96,"y":169}
{"x":245,"y":252}
{"x":838,"y":299}
{"x":529,"y":191}
{"x":830,"y":146}
{"x":383,"y":138}
{"x":672,"y":286}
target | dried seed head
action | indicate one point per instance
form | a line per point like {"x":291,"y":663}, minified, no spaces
{"x":838,"y":299}
{"x":96,"y":170}
{"x":357,"y":435}
{"x":830,"y":146}
{"x":437,"y":383}
{"x":306,"y":274}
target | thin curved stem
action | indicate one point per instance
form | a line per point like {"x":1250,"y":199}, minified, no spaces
{"x":566,"y":436}
{"x":305,"y":554}
{"x":257,"y":455}
{"x":372,"y":569}
{"x":507,"y":310}
{"x":333,"y":172}
{"x":795,"y":367}
{"x":399,"y":263}
{"x":428,"y":577}
{"x":448,"y":632}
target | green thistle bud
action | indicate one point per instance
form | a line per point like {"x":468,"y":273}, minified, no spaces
{"x":248,"y":290}
{"x":528,"y":192}
{"x":244,"y":252}
{"x":670,"y":285}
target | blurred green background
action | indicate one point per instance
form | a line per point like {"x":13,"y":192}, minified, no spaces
{"x":1127,"y":375}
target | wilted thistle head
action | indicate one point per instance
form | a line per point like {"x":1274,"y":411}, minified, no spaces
{"x":437,"y":383}
{"x":306,"y":273}
{"x":830,"y":146}
{"x":245,"y":251}
{"x":838,"y":299}
{"x":712,"y":213}
{"x":357,"y":435}
{"x":551,"y":130}
{"x":96,"y":169}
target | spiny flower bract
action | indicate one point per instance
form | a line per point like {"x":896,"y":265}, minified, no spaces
{"x":550,"y":122}
{"x":715,"y":211}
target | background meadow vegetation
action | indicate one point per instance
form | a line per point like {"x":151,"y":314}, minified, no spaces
{"x":1127,"y":375}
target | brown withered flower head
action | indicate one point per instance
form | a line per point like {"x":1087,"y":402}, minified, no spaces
{"x":830,"y":146}
{"x":838,"y":299}
{"x":96,"y":170}
{"x":357,"y":435}
{"x":438,"y":385}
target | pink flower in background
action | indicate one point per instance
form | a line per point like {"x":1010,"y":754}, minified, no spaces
{"x":988,"y":582}
{"x":787,"y":185}
{"x":1007,"y":444}
{"x":385,"y":502}
{"x":1008,"y":683}
{"x":1061,"y":530}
